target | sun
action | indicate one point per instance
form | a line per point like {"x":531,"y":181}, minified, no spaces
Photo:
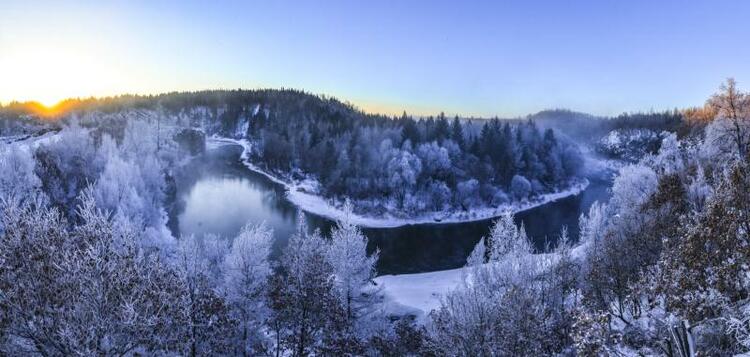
{"x":55,"y":73}
{"x":49,"y":103}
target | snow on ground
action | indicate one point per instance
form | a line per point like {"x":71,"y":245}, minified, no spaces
{"x":417,"y":294}
{"x":26,"y":142}
{"x":420,"y":293}
{"x":302,"y":194}
{"x":318,"y":205}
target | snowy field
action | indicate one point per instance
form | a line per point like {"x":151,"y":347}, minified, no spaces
{"x":299,"y":193}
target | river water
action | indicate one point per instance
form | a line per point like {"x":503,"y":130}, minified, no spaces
{"x":217,"y":194}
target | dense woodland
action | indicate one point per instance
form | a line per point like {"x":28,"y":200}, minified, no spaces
{"x":88,"y":267}
{"x":419,"y":165}
{"x":405,"y":166}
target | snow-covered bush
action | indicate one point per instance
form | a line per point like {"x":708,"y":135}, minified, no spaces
{"x":520,"y":187}
{"x":468,"y":193}
{"x":503,"y":298}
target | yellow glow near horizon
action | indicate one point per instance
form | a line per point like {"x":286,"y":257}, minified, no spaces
{"x":50,"y":74}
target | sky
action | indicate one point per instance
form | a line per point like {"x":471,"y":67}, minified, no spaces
{"x":473,"y":58}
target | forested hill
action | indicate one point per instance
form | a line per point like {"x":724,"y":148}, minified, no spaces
{"x":405,"y":165}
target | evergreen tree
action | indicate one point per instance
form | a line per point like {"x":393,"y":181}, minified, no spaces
{"x":457,"y":133}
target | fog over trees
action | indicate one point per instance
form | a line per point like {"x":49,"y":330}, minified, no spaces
{"x":89,"y":267}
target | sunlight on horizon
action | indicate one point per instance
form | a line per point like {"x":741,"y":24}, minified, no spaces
{"x":62,"y":50}
{"x":51,"y":74}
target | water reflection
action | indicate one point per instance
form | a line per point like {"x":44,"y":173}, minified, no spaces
{"x":217,"y":194}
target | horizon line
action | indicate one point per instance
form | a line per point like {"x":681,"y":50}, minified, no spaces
{"x":364,"y":106}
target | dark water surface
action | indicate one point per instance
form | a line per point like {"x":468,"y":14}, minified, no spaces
{"x":217,"y":194}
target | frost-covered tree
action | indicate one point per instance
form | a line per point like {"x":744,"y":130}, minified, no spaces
{"x":733,"y":119}
{"x":403,"y":171}
{"x":591,"y":333}
{"x":30,"y":286}
{"x":478,"y":255}
{"x":520,"y":187}
{"x":468,"y":194}
{"x":738,"y":326}
{"x":669,"y":159}
{"x":134,"y":192}
{"x":302,"y":297}
{"x":630,"y":190}
{"x":513,"y":306}
{"x":592,"y":225}
{"x":66,"y":166}
{"x":353,"y":268}
{"x":209,"y":327}
{"x":17,"y":175}
{"x":699,"y":190}
{"x":505,"y":239}
{"x":435,"y":159}
{"x":706,"y":265}
{"x":89,"y":290}
{"x":246,"y":272}
{"x":214,"y":249}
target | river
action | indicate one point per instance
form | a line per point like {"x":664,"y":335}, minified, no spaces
{"x":217,"y":194}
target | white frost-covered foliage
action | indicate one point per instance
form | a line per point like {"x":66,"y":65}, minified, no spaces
{"x":715,"y":146}
{"x":699,"y":191}
{"x":133,"y":190}
{"x":246,"y":271}
{"x":739,"y":326}
{"x":592,"y":226}
{"x":478,"y":255}
{"x":17,"y":175}
{"x":520,"y":187}
{"x":353,"y":268}
{"x":505,"y":239}
{"x":468,"y":193}
{"x":435,"y":159}
{"x":728,"y":136}
{"x":121,"y":189}
{"x":66,"y":165}
{"x":514,"y":305}
{"x":404,"y":169}
{"x":214,"y":249}
{"x":631,"y":188}
{"x":147,"y":138}
{"x":127,"y":180}
{"x":718,"y":147}
{"x":302,"y":295}
{"x":669,"y":159}
{"x":88,"y":291}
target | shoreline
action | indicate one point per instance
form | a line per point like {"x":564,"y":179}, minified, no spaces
{"x":320,"y":206}
{"x":418,"y":294}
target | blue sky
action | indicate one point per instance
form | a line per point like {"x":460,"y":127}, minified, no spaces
{"x":479,"y":58}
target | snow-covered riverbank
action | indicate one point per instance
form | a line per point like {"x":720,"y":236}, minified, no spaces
{"x":300,"y":193}
{"x":418,"y":294}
